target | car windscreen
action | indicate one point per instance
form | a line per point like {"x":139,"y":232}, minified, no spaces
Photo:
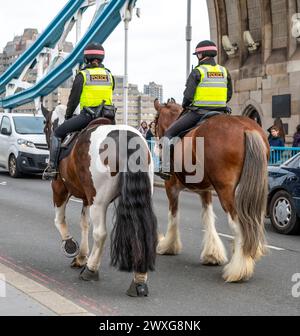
{"x":29,"y":125}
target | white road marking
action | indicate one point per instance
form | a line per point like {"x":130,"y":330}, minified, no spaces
{"x":3,"y":183}
{"x":268,"y":246}
{"x":220,"y":234}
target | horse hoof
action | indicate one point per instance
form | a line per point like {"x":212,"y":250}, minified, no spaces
{"x":88,"y":275}
{"x":70,"y":248}
{"x":79,"y":262}
{"x":138,"y":290}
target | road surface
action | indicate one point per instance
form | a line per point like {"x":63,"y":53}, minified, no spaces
{"x":30,"y":244}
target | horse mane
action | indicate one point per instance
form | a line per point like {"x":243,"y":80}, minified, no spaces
{"x":169,"y":103}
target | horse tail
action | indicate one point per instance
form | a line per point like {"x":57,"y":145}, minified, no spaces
{"x":251,"y":195}
{"x":134,"y":236}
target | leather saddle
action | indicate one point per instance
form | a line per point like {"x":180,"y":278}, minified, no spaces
{"x":70,"y":140}
{"x":205,"y":115}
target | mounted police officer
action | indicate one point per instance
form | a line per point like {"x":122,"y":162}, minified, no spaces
{"x":93,"y":90}
{"x":208,"y":88}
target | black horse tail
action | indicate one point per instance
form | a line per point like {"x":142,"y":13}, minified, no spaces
{"x":134,"y":236}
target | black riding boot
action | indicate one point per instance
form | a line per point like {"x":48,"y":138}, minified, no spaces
{"x":51,"y":172}
{"x":165,"y":169}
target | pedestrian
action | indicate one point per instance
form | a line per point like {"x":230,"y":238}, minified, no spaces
{"x":143,"y":129}
{"x":279,"y":124}
{"x":92,"y":88}
{"x":275,"y":140}
{"x":151,"y":132}
{"x":296,"y":142}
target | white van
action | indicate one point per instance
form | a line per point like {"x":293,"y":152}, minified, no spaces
{"x":23,"y":146}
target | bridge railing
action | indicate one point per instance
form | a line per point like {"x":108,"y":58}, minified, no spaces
{"x":278,"y":155}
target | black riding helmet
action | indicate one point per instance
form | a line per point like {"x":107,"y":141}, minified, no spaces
{"x":207,"y":49}
{"x":94,"y":51}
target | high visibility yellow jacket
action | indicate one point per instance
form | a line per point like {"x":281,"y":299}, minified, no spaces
{"x":212,"y":89}
{"x":97,"y":86}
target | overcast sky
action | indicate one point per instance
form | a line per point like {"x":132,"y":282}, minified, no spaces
{"x":157,"y":39}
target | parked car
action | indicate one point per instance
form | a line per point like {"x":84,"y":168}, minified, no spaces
{"x":284,"y":196}
{"x":23,"y":146}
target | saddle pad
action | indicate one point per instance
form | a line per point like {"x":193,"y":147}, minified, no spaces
{"x":202,"y":120}
{"x":70,"y":140}
{"x":68,"y":145}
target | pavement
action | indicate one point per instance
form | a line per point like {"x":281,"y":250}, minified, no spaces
{"x":16,"y":303}
{"x":30,"y":246}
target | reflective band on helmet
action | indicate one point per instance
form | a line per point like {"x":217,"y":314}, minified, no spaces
{"x":210,"y":48}
{"x":94,"y":52}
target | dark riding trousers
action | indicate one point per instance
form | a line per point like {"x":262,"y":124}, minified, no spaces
{"x":187,"y":121}
{"x":77,"y":123}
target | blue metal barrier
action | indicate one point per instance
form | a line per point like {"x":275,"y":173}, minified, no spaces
{"x":155,"y":153}
{"x":277,"y":157}
{"x":281,"y":154}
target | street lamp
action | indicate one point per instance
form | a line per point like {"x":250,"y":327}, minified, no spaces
{"x":127,"y":17}
{"x":188,"y":37}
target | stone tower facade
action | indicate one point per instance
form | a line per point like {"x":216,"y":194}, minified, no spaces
{"x":258,"y":42}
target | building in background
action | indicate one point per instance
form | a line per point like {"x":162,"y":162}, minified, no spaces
{"x":258,"y":43}
{"x":155,"y":91}
{"x":13,"y":50}
{"x":140,"y":106}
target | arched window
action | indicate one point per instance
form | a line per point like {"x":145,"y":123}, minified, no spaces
{"x":251,"y":112}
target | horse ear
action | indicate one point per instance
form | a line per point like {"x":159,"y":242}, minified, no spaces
{"x":173,"y":100}
{"x":157,"y":105}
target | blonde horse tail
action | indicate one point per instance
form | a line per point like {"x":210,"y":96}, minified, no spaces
{"x":251,"y":195}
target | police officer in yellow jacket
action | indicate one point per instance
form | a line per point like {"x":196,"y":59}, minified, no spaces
{"x":208,"y":88}
{"x":92,"y":87}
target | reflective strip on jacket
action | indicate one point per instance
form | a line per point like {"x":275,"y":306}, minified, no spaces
{"x":97,"y":86}
{"x":212,"y":90}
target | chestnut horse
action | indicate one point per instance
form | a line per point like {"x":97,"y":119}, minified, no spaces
{"x":89,"y":174}
{"x":236,"y":153}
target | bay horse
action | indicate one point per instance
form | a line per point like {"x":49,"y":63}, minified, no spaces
{"x":89,"y":174}
{"x":236,"y":153}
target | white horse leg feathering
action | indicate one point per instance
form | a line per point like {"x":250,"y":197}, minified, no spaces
{"x":98,"y":218}
{"x":171,"y":243}
{"x":84,"y":250}
{"x":240,"y":267}
{"x":213,"y":249}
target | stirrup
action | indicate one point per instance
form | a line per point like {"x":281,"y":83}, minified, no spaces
{"x":166,"y":176}
{"x":50,"y":175}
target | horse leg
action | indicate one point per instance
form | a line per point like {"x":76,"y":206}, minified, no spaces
{"x":61,"y":198}
{"x":171,"y":243}
{"x":98,"y":218}
{"x":241,"y":266}
{"x":213,"y":252}
{"x":82,"y":258}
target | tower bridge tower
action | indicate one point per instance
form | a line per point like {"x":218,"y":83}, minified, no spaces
{"x":259,"y":42}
